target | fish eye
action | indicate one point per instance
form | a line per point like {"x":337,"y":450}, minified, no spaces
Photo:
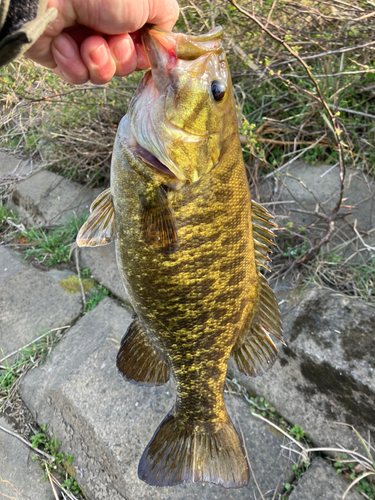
{"x":218,"y":90}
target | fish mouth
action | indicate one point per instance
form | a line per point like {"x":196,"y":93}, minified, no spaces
{"x":160,"y":44}
{"x":153,"y":162}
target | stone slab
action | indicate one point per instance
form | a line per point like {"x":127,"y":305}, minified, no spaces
{"x":103,"y":266}
{"x":302,"y":186}
{"x":12,"y":167}
{"x":321,"y":482}
{"x":47,"y":199}
{"x":107,"y":422}
{"x":31,"y":301}
{"x":326,"y":374}
{"x":17,"y":468}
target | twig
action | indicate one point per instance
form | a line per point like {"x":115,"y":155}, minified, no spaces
{"x":35,"y":340}
{"x":244,"y":443}
{"x":50,"y":457}
{"x":333,"y":118}
{"x":52,"y":485}
{"x":79,"y":277}
{"x":11,"y":485}
{"x":306,"y":459}
{"x":295,"y":158}
{"x":355,"y":482}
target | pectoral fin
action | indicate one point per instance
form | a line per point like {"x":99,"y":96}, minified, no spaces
{"x":138,"y":360}
{"x":158,"y":222}
{"x":255,"y":352}
{"x":99,"y":229}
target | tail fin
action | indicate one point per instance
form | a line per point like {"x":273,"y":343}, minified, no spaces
{"x":179,"y":453}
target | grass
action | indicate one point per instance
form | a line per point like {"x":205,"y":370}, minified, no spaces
{"x":27,"y":358}
{"x":98,"y":293}
{"x":53,"y":246}
{"x":57,"y":463}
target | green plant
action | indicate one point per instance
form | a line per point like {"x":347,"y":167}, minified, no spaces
{"x":71,"y":485}
{"x":96,"y":295}
{"x":55,"y":461}
{"x":297,"y":432}
{"x":53,"y":246}
{"x":24,"y":360}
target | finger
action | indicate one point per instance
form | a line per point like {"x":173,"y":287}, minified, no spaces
{"x":142,"y":59}
{"x":97,"y":57}
{"x":123,"y":53}
{"x":126,"y":16}
{"x":68,"y":59}
{"x":164,"y":13}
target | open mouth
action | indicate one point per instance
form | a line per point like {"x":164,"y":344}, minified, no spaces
{"x":153,"y":162}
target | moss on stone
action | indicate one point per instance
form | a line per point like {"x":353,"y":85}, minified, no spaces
{"x":71,"y":284}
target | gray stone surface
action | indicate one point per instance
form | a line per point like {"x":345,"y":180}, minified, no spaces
{"x":321,"y":482}
{"x":17,"y":468}
{"x":103,"y":265}
{"x":326,"y":374}
{"x":107,"y":422}
{"x":359,"y":196}
{"x":12,"y":167}
{"x":31,"y":301}
{"x":49,"y":199}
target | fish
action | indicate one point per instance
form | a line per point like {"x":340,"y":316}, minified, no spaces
{"x":191,"y":246}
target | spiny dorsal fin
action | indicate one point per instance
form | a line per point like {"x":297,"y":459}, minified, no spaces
{"x":99,"y":229}
{"x":262,"y":234}
{"x":138,"y":360}
{"x":158,"y":222}
{"x":256,"y":351}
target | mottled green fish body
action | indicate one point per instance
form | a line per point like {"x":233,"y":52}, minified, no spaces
{"x":189,"y":245}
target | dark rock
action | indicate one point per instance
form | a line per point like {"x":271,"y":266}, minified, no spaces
{"x":326,"y":373}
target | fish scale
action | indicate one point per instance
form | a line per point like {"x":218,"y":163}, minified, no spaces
{"x":190,"y":244}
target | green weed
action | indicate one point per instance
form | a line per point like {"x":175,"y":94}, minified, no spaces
{"x":51,"y":247}
{"x":297,"y":432}
{"x":57,"y":462}
{"x":95,"y":296}
{"x":24,"y":360}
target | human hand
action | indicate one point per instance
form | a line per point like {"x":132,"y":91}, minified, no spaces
{"x":97,"y":39}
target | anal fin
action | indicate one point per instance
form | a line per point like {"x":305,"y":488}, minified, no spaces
{"x":99,"y":229}
{"x":138,"y":360}
{"x":255,"y":352}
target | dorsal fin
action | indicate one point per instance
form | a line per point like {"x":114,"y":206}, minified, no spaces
{"x":262,"y":232}
{"x":99,"y":229}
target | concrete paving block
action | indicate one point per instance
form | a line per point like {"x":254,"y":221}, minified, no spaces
{"x":50,"y":199}
{"x":326,"y":374}
{"x":20,"y":477}
{"x":107,"y":422}
{"x":11,"y":166}
{"x":303,"y":186}
{"x":103,"y":266}
{"x":321,"y":482}
{"x":31,"y":301}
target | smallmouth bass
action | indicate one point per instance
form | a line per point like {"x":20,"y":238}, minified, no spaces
{"x":190,"y":244}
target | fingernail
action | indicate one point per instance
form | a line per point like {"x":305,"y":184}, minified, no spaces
{"x":121,"y":50}
{"x":65,"y":46}
{"x":99,"y":56}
